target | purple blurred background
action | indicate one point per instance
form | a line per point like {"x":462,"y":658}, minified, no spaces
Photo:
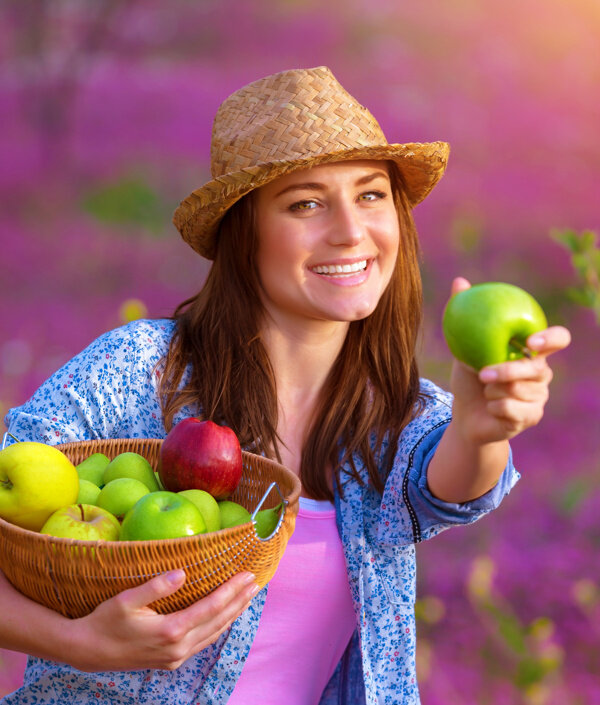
{"x":106,"y":113}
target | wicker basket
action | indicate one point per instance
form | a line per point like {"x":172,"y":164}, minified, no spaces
{"x":73,"y":577}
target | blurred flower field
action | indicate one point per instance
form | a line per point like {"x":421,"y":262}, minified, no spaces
{"x":106,"y":111}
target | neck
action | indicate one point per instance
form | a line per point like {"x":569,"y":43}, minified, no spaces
{"x":301,"y":361}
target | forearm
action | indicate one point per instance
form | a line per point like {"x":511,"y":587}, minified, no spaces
{"x":461,"y":471}
{"x":31,"y":628}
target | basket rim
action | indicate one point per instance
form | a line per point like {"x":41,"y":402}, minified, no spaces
{"x":291,"y":499}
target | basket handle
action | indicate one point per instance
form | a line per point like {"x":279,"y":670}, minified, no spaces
{"x":284,"y":504}
{"x":5,"y":438}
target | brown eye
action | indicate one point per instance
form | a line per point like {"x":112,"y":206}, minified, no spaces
{"x":303,"y":206}
{"x":372,"y":196}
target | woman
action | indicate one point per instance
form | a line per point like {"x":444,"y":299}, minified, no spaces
{"x":303,"y":341}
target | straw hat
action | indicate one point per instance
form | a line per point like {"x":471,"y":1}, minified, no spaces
{"x":288,"y":121}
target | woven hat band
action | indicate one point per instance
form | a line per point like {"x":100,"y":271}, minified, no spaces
{"x":288,"y":116}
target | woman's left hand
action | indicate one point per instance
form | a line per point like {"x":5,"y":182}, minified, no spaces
{"x":500,"y":401}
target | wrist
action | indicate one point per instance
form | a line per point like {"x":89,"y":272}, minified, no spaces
{"x":464,"y":469}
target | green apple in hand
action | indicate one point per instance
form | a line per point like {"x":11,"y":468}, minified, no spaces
{"x":489,"y":323}
{"x":131,"y":465}
{"x":92,"y":468}
{"x":207,"y":505}
{"x":84,"y":522}
{"x":118,"y":496}
{"x":232,"y":514}
{"x":162,"y":515}
{"x":88,"y":492}
{"x":35,"y":480}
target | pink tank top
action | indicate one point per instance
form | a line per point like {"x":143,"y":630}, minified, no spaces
{"x":307,"y":620}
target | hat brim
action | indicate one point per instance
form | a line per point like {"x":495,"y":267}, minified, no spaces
{"x":198,"y":216}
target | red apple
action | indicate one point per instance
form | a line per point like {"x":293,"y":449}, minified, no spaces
{"x":200,"y":455}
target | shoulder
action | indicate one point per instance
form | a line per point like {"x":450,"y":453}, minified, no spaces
{"x":107,"y":390}
{"x":433,"y":399}
{"x":432,"y":413}
{"x":140,"y":343}
{"x":146,"y":334}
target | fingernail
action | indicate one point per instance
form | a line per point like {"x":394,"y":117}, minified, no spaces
{"x":536,"y":341}
{"x":249,"y":578}
{"x":175,"y":577}
{"x":254,"y":590}
{"x":488,"y":375}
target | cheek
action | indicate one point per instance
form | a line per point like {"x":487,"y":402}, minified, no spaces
{"x":277,"y":271}
{"x":391,"y":246}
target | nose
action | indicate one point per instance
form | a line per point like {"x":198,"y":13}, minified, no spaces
{"x":347,"y":227}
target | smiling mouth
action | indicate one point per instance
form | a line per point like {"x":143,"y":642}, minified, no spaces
{"x":337,"y":270}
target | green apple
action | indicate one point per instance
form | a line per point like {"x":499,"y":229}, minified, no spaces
{"x":85,"y":522}
{"x":35,"y":480}
{"x":88,"y":492}
{"x":208,"y":507}
{"x":232,"y":514}
{"x":92,"y":468}
{"x":489,"y":323}
{"x":162,"y":515}
{"x":265,"y":521}
{"x":131,"y":465}
{"x":118,"y":496}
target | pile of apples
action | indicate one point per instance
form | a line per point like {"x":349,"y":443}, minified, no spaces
{"x":200,"y":466}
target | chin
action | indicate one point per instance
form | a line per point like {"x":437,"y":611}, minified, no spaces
{"x":358,"y":312}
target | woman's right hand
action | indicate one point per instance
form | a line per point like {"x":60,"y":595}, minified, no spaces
{"x":124,"y":634}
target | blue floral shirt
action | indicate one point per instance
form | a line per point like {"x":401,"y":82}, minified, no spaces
{"x":110,"y":391}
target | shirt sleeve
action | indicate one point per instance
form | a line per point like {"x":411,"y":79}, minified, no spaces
{"x":409,"y":512}
{"x":106,"y":391}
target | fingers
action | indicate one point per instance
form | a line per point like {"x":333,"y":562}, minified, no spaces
{"x":516,"y":392}
{"x":161,"y":586}
{"x":516,"y":415}
{"x":204,"y":621}
{"x":549,"y":341}
{"x":459,"y":284}
{"x":216,"y":611}
{"x":130,"y":635}
{"x":522,"y":391}
{"x":525,"y":370}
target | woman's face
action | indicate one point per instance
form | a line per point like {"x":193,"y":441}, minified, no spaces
{"x":327,"y":241}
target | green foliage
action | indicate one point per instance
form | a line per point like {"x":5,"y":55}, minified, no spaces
{"x":585,"y":258}
{"x":508,"y":627}
{"x":573,"y":493}
{"x":129,"y":201}
{"x":529,"y":651}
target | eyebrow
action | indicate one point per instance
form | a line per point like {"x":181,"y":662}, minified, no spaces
{"x":316,"y":186}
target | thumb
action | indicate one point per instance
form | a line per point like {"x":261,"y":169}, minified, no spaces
{"x":160,"y":586}
{"x":459,"y":284}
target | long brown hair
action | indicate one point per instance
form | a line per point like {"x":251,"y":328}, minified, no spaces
{"x":370,"y":394}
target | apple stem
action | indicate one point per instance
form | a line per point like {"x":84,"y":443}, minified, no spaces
{"x":82,"y":512}
{"x":522,"y":348}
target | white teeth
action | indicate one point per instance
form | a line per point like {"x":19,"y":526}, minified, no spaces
{"x":341,"y":268}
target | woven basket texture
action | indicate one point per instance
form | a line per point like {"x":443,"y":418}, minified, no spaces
{"x":73,"y":577}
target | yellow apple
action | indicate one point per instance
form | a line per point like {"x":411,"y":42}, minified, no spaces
{"x":85,"y":522}
{"x":35,"y":480}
